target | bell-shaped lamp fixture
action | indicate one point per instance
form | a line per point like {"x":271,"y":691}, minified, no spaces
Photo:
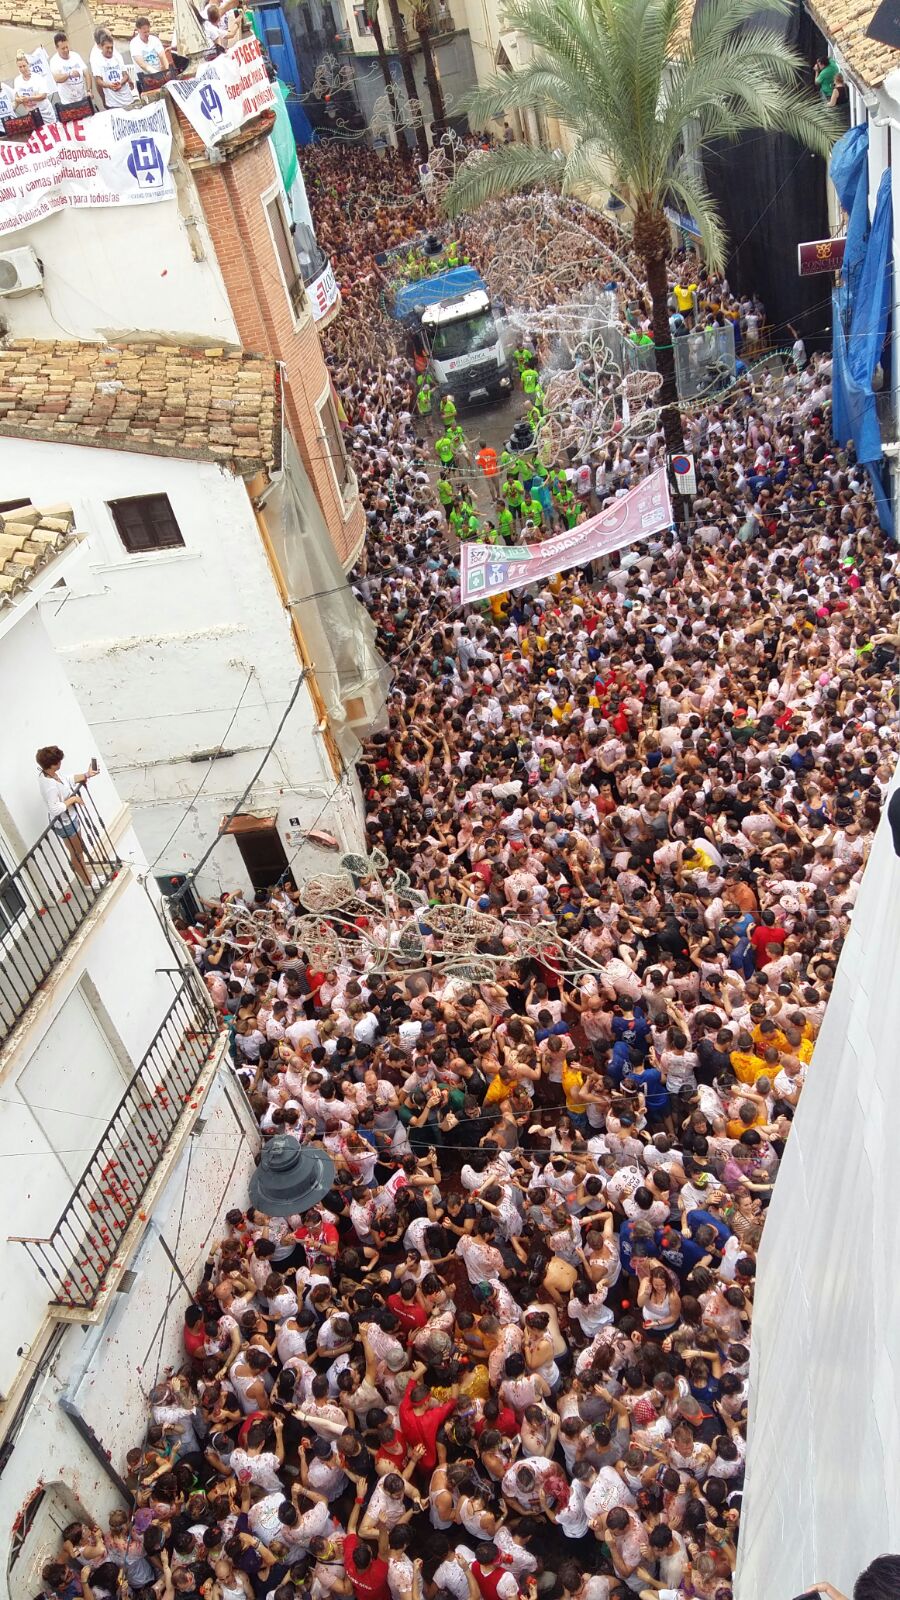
{"x":290,"y":1177}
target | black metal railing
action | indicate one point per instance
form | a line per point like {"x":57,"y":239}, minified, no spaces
{"x":82,"y":1249}
{"x":43,"y":903}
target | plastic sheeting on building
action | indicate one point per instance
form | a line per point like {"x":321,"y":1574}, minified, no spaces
{"x":337,"y":631}
{"x":822,"y":1492}
{"x":858,"y":352}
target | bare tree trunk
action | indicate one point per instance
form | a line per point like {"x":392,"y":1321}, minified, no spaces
{"x":658,"y":287}
{"x":435,"y":92}
{"x":406,"y":68}
{"x":385,"y":66}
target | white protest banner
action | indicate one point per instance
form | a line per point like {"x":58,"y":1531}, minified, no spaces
{"x":226,"y":92}
{"x":116,"y":158}
{"x":323,"y":293}
{"x":487,"y":569}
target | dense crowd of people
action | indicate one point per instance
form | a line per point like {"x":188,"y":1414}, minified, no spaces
{"x":508,"y":1351}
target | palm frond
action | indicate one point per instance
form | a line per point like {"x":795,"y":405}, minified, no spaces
{"x":508,"y":170}
{"x":689,"y":193}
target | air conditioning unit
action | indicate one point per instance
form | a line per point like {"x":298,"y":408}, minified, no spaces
{"x":20,"y":272}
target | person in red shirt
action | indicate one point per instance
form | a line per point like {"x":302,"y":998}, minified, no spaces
{"x":498,"y":1416}
{"x":194,"y":1333}
{"x":368,"y":1573}
{"x":766,"y":938}
{"x":493,"y":1577}
{"x":420,"y":1420}
{"x":406,"y":1308}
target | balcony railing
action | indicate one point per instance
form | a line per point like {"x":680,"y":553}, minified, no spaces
{"x":83,"y":1247}
{"x":43,"y":903}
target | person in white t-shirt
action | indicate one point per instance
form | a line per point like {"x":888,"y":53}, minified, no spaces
{"x":111,"y":74}
{"x":148,"y":53}
{"x":70,"y":73}
{"x":32,"y":90}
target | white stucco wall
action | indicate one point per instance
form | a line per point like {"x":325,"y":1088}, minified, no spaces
{"x":822,"y":1495}
{"x":161,"y":647}
{"x":124,"y":270}
{"x":106,"y":1371}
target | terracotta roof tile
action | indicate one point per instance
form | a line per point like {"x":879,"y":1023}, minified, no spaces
{"x":118,"y":17}
{"x":844,"y":24}
{"x":30,"y":539}
{"x":166,"y":400}
{"x":30,"y":13}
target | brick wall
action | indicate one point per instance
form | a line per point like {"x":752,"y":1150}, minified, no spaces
{"x":230,"y":194}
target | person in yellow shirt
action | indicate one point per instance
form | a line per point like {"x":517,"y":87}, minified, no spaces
{"x":572,"y":1085}
{"x":746,"y":1065}
{"x":766,"y":1035}
{"x":684,"y":297}
{"x":500,"y":1087}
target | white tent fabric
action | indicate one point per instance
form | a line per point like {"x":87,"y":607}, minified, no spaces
{"x":823,"y":1475}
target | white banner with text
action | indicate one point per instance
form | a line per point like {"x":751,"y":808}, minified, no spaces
{"x":226,"y":92}
{"x":116,"y":158}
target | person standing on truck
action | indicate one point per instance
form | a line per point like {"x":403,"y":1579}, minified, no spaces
{"x":487,"y":461}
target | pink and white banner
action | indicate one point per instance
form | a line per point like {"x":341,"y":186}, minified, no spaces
{"x":487,"y":569}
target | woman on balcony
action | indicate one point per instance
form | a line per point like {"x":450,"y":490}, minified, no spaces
{"x":62,"y":797}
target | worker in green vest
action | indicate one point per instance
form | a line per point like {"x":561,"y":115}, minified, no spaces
{"x":505,"y":524}
{"x":473,"y":525}
{"x":535,"y":417}
{"x":453,"y":253}
{"x":458,"y":440}
{"x":445,"y":452}
{"x":448,"y":409}
{"x":424,"y":393}
{"x":513,"y":494}
{"x":522,"y":356}
{"x":457,"y":520}
{"x":530,"y":379}
{"x":533,"y":511}
{"x":445,"y":492}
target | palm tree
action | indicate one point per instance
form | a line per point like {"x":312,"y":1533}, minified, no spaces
{"x":412,"y":94}
{"x":628,"y":81}
{"x":374,"y":22}
{"x":422,"y":23}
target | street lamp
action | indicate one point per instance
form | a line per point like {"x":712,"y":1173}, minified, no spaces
{"x":290,"y":1177}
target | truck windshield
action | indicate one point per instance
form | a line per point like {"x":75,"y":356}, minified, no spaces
{"x":465,"y":337}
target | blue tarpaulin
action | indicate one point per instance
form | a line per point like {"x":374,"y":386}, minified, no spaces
{"x":412,"y":299}
{"x":860,"y":320}
{"x":849,"y":169}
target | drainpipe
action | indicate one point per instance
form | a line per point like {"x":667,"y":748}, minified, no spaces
{"x":86,"y":1432}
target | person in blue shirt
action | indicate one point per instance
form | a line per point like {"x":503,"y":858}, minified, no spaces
{"x":697,"y":1219}
{"x":678,"y":1250}
{"x":630,"y":1246}
{"x":649,"y":1081}
{"x":630,"y":1025}
{"x":623,"y":1059}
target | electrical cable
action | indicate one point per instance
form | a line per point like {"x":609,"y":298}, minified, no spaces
{"x":212,"y":760}
{"x":191,"y":876}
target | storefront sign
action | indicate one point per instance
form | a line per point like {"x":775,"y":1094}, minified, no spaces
{"x":323,"y":293}
{"x":487,"y":569}
{"x":226,"y":92}
{"x":116,"y":158}
{"x":820,"y":255}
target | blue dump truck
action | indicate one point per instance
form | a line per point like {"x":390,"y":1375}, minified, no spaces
{"x":452,"y":324}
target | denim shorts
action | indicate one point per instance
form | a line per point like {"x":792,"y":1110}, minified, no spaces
{"x":67,"y":827}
